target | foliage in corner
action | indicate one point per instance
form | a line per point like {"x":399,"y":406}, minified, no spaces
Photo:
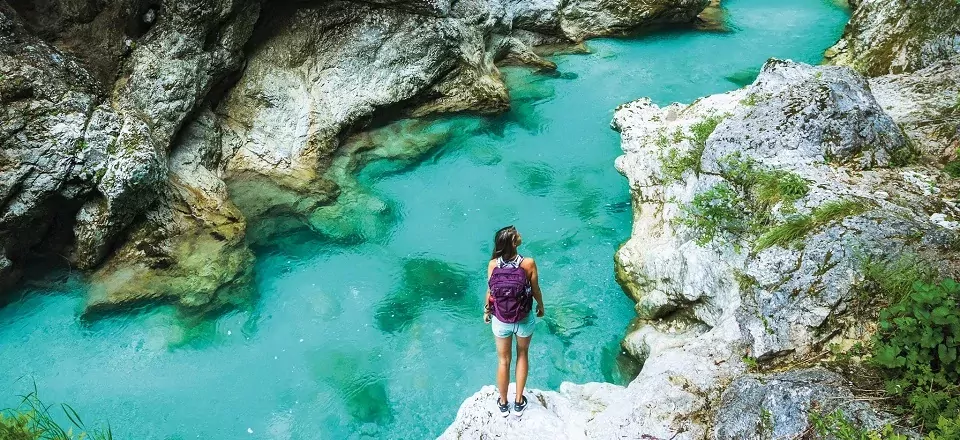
{"x":836,"y":425}
{"x":32,"y":420}
{"x":917,"y":346}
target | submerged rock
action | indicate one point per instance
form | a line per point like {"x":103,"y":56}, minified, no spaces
{"x":898,"y":36}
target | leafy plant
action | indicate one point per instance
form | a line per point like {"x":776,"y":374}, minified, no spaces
{"x":700,"y":131}
{"x":917,"y":346}
{"x":674,"y":163}
{"x":835,"y":425}
{"x":715,"y":214}
{"x":953,"y":169}
{"x":766,"y":422}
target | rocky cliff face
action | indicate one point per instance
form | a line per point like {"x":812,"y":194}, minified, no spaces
{"x":121,"y":121}
{"x":898,"y":36}
{"x":83,"y":158}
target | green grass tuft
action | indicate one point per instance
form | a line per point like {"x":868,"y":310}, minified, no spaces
{"x":837,"y":210}
{"x":777,"y":186}
{"x":893,"y":278}
{"x":799,"y":226}
{"x":794,"y":229}
{"x":953,"y":169}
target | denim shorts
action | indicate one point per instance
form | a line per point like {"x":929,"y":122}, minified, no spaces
{"x":523,"y":329}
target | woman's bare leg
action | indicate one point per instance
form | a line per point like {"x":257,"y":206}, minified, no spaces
{"x":523,"y":344}
{"x":504,"y":354}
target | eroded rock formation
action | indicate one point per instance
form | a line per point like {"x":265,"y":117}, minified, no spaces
{"x":122,"y":121}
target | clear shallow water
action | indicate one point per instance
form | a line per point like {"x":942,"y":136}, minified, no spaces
{"x":380,"y":337}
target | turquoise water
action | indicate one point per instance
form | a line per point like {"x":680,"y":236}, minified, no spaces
{"x":376,"y":332}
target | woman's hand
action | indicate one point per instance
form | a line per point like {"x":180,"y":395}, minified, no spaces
{"x":539,"y":310}
{"x":486,"y":317}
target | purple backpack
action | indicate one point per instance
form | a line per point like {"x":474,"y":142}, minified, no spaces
{"x":508,"y":289}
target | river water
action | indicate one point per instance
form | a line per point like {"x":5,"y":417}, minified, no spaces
{"x":376,"y":332}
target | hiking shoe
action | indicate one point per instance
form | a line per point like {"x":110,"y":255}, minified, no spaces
{"x":518,"y":407}
{"x":504,"y":407}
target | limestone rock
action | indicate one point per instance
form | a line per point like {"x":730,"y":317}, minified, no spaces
{"x":94,"y":96}
{"x":590,"y":18}
{"x":549,"y":414}
{"x":926,"y":104}
{"x":190,"y":249}
{"x":79,"y":167}
{"x":778,"y":405}
{"x":898,"y":36}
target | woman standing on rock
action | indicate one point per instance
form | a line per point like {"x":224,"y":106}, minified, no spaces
{"x":512,"y":287}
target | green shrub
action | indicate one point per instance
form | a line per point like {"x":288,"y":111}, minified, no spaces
{"x":799,"y":226}
{"x":835,"y":425}
{"x":32,"y":421}
{"x":917,"y":346}
{"x":715,"y":214}
{"x":702,"y":130}
{"x":675,"y":162}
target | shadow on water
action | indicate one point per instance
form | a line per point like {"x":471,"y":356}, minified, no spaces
{"x":568,"y":319}
{"x":618,"y":367}
{"x":426,"y":284}
{"x":743,"y":77}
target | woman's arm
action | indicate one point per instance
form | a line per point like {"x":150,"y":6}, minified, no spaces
{"x":486,"y":300}
{"x":535,"y":285}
